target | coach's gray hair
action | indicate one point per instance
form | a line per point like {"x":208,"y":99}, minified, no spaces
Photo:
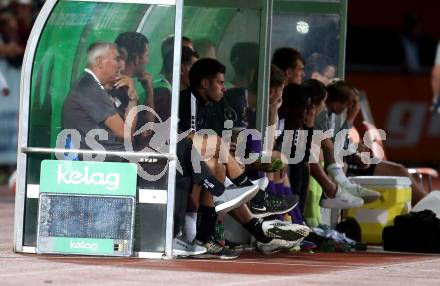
{"x":96,"y":50}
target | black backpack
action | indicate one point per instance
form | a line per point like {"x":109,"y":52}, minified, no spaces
{"x":413,"y":232}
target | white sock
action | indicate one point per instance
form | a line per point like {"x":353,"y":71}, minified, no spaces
{"x":190,"y":227}
{"x":338,"y":175}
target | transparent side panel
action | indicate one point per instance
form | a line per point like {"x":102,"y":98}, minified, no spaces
{"x":229,"y":34}
{"x":232,"y":36}
{"x":31,"y":204}
{"x":62,"y":55}
{"x":311,"y":34}
{"x":59,"y":68}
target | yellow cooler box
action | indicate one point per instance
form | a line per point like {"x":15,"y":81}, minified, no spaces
{"x":373,"y":217}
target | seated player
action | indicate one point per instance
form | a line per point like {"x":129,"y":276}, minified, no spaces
{"x":348,"y":194}
{"x":162,"y":83}
{"x":343,"y":194}
{"x":207,"y":88}
{"x":205,"y":48}
{"x":291,"y":62}
{"x":300,"y":104}
{"x":341,"y":91}
{"x":344,"y":95}
{"x":162,"y":86}
{"x":136,"y":47}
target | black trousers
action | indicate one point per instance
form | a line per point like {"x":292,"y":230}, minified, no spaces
{"x":186,"y":180}
{"x":299,"y":175}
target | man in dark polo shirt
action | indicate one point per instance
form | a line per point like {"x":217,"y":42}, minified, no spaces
{"x":89,"y":106}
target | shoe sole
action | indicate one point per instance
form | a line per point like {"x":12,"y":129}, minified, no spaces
{"x":287,"y":234}
{"x":238,"y":201}
{"x":269,"y":252}
{"x":281,"y":249}
{"x":214,"y":256}
{"x":186,"y":253}
{"x":266,"y":214}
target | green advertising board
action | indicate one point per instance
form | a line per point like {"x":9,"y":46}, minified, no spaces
{"x":81,"y":245}
{"x":88,"y":178}
{"x":86,"y":208}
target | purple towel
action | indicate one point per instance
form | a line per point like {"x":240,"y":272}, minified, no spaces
{"x":280,"y":191}
{"x":295,"y":213}
{"x":271,"y":187}
{"x":296,"y":216}
{"x":288,"y":191}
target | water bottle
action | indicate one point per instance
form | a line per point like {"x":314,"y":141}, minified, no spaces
{"x":219,"y":234}
{"x":68,"y":146}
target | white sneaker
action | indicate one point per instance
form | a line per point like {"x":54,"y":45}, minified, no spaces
{"x":283,"y":230}
{"x":183,"y":248}
{"x":234,"y":197}
{"x":275,"y":245}
{"x":358,"y":191}
{"x":342,"y":200}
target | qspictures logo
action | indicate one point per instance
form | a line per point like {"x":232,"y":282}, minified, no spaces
{"x":207,"y":144}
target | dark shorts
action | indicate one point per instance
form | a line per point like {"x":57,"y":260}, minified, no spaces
{"x":299,"y":175}
{"x":184,"y":148}
{"x":185,"y":178}
{"x":185,"y":181}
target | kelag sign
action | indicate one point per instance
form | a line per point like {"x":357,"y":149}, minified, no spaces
{"x":86,"y":208}
{"x":79,"y":177}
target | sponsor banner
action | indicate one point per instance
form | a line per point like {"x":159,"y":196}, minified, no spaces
{"x":400,"y":104}
{"x":83,"y":245}
{"x":81,"y":177}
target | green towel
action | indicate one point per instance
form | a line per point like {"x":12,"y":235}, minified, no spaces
{"x":312,"y":210}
